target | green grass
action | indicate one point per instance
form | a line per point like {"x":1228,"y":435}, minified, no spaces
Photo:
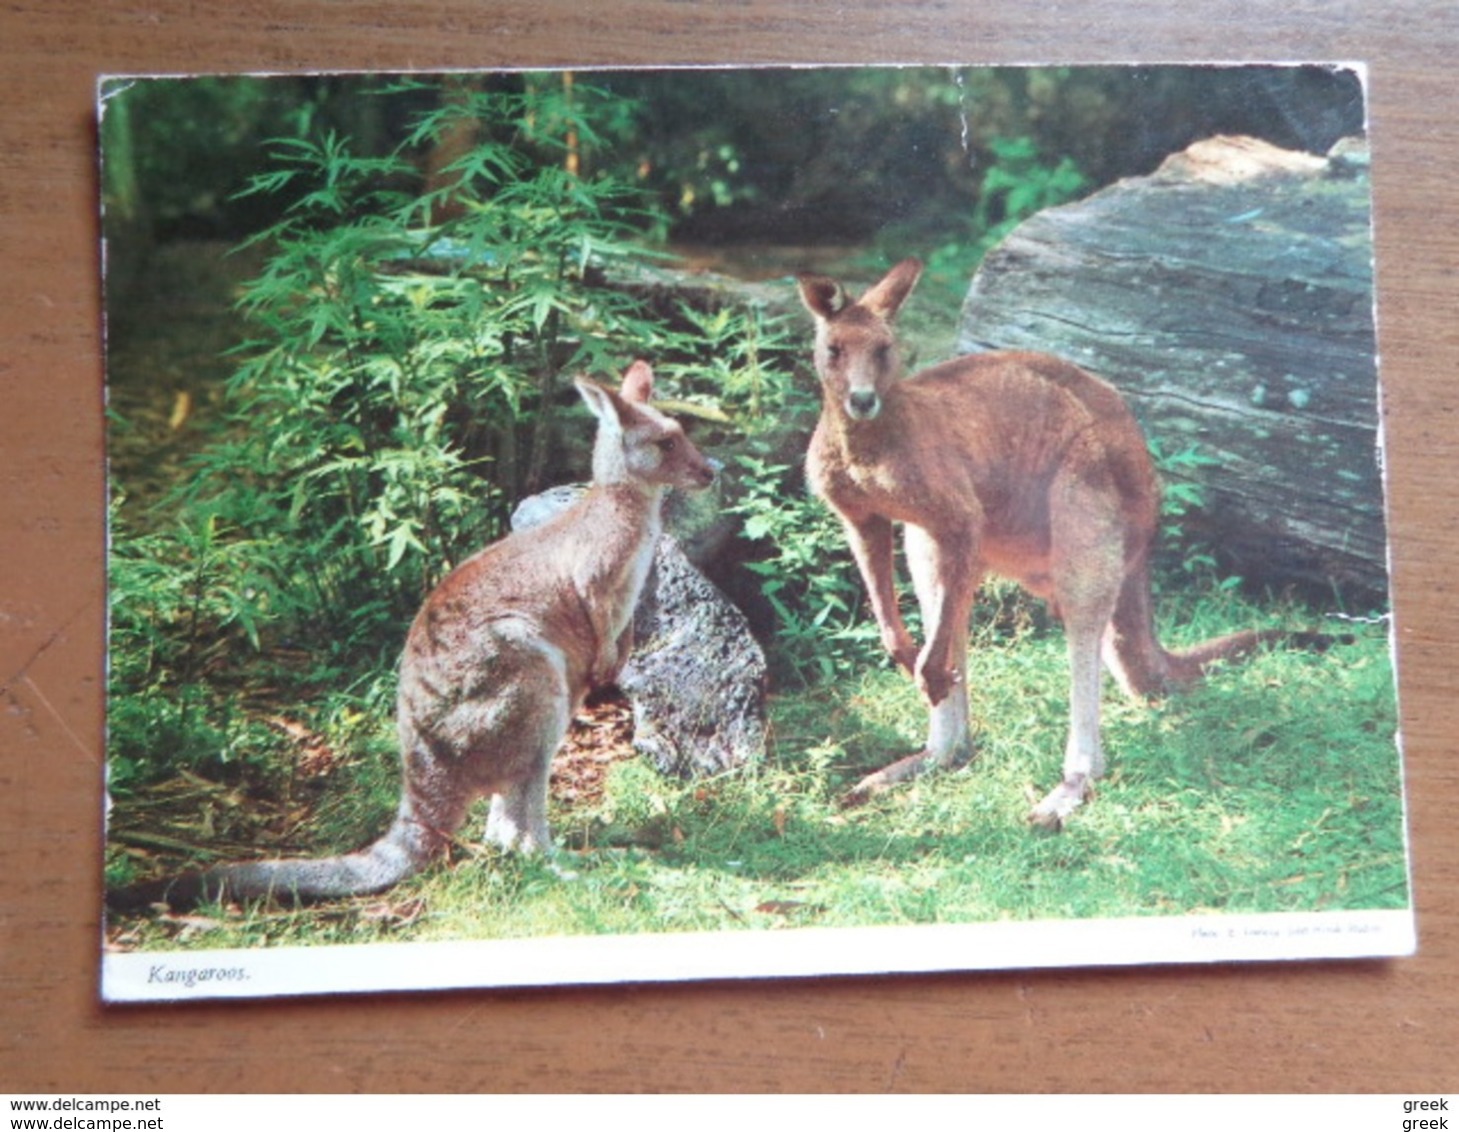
{"x":1273,"y":787}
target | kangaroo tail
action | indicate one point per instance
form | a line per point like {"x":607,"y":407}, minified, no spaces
{"x":1186,"y":666}
{"x":1144,"y":667}
{"x":406,"y":849}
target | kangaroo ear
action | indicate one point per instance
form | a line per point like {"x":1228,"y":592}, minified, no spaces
{"x":599,"y":400}
{"x":638,"y":382}
{"x":822,"y":297}
{"x":887,"y":297}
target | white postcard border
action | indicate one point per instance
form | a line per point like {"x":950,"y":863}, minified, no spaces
{"x":168,"y":976}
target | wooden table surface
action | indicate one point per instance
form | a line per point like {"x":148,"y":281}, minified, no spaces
{"x":1332,"y":1027}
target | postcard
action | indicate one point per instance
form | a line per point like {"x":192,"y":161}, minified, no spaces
{"x":597,"y":526}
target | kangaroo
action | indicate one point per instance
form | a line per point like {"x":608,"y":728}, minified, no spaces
{"x":1015,"y":463}
{"x":497,"y":660}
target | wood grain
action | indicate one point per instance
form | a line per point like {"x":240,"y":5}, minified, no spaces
{"x":1345,"y":1027}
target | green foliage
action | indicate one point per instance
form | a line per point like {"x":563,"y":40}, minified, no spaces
{"x":406,"y":371}
{"x":1020,"y":183}
{"x":807,"y":575}
{"x":739,"y":362}
{"x":1181,"y":499}
{"x":837,"y":152}
{"x":173,"y":148}
{"x":171,"y":594}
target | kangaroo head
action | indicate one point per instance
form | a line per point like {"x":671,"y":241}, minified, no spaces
{"x":636,"y":443}
{"x":856,"y":348}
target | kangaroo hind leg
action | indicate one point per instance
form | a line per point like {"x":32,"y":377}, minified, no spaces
{"x":1089,"y":568}
{"x":530,"y":730}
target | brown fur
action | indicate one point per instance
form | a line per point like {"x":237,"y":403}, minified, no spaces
{"x":496,"y":661}
{"x":1014,"y":463}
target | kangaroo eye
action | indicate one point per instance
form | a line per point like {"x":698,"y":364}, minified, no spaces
{"x":883,"y":352}
{"x":666,"y":444}
{"x":834,"y":353}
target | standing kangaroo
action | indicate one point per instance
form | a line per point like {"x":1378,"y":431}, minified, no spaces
{"x":497,"y":660}
{"x":1014,"y":463}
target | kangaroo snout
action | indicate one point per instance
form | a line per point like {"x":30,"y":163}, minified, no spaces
{"x":684,"y":466}
{"x":705,"y":474}
{"x":862,"y":404}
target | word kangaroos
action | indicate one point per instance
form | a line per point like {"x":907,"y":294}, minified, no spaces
{"x":1014,"y":463}
{"x":497,"y":660}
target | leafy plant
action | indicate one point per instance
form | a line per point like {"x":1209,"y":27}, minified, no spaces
{"x":1182,"y":497}
{"x":410,"y":350}
{"x":807,"y":576}
{"x":1020,"y":183}
{"x":739,"y":362}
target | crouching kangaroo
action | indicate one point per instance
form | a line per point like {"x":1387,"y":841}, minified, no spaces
{"x":495,"y":663}
{"x":1019,"y":464}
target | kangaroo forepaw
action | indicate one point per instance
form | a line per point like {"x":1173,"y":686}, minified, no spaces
{"x":936,"y":684}
{"x":1062,"y":800}
{"x":904,"y":656}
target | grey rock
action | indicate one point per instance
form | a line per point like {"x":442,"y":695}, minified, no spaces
{"x":696,"y":677}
